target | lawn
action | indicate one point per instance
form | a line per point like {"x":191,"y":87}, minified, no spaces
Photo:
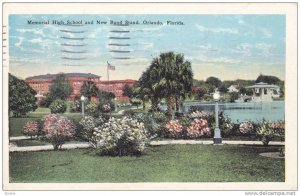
{"x":172,"y":163}
{"x":16,"y":124}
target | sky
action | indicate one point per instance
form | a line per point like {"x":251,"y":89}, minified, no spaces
{"x":225,"y":46}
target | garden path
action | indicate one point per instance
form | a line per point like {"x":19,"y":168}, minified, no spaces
{"x":13,"y":148}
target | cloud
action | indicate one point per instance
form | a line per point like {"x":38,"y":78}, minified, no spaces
{"x":19,"y":44}
{"x":266,"y":33}
{"x":36,"y":40}
{"x":243,"y":49}
{"x":264,"y":49}
{"x":207,"y":47}
{"x":217,"y":30}
{"x":219,"y":60}
{"x":34,"y":31}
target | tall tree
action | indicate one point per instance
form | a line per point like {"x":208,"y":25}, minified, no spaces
{"x":214,"y":81}
{"x":268,"y":79}
{"x":21,"y":97}
{"x":176,"y":77}
{"x":60,"y":88}
{"x":89,"y":89}
{"x":128,"y":91}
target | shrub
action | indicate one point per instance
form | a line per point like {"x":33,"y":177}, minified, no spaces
{"x":205,"y":115}
{"x":278,"y":128}
{"x":246,"y":127}
{"x":106,"y":106}
{"x":21,"y":97}
{"x":123,"y":136}
{"x":57,"y":130}
{"x":226,"y":125}
{"x":76,"y":106}
{"x":264,"y":132}
{"x":91,"y":108}
{"x":174,"y":129}
{"x":31,"y":128}
{"x":58,"y":106}
{"x":198,"y":128}
{"x":87,"y":125}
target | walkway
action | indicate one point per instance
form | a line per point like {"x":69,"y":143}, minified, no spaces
{"x":13,"y":148}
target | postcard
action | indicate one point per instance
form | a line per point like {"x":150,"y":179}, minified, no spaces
{"x":150,"y":96}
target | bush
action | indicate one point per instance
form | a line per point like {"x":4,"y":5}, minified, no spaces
{"x":57,"y":130}
{"x":58,"y":106}
{"x":91,"y":108}
{"x":246,"y":128}
{"x":87,"y":125}
{"x":226,"y":126}
{"x":197,"y":128}
{"x":31,"y":128}
{"x":121,"y":137}
{"x":21,"y":97}
{"x":174,"y":129}
{"x":76,"y":106}
{"x":107,"y":106}
{"x":278,"y":128}
{"x":264,"y":132}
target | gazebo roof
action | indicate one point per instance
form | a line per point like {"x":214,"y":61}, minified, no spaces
{"x":263,"y":85}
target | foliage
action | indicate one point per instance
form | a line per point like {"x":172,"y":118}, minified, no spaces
{"x":60,"y":88}
{"x":31,"y":128}
{"x":246,"y":127}
{"x":89,"y":89}
{"x":91,"y":108}
{"x":128,"y":91}
{"x":21,"y":97}
{"x":170,"y":75}
{"x":87,"y":127}
{"x":57,"y":130}
{"x":174,"y":129}
{"x":278,"y":128}
{"x":46,"y":102}
{"x":198,"y":128}
{"x":76,"y":105}
{"x":226,"y":125}
{"x":233,"y":96}
{"x":121,"y":137}
{"x":135,"y":102}
{"x":265,"y":132}
{"x":223,"y":89}
{"x":216,"y":82}
{"x":105,"y":96}
{"x":154,"y":122}
{"x":268,"y":79}
{"x":58,"y":106}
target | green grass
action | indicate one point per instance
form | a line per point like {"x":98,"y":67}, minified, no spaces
{"x":16,"y":124}
{"x":21,"y":143}
{"x":172,"y":163}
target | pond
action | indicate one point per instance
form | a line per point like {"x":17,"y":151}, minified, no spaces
{"x":254,"y":111}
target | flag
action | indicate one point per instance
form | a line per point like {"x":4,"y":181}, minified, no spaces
{"x":110,"y":67}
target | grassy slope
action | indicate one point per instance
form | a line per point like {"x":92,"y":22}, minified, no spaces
{"x":173,"y":163}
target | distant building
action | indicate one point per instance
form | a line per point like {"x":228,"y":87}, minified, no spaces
{"x":263,"y":92}
{"x":233,"y":89}
{"x":116,"y":87}
{"x":41,"y":84}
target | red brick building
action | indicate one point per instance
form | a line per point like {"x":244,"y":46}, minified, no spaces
{"x":116,"y":87}
{"x":42,"y":83}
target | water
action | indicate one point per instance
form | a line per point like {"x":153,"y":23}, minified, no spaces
{"x":272,"y":111}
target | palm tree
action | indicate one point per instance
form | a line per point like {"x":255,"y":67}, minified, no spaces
{"x":146,"y":90}
{"x":175,"y":77}
{"x":89,"y":89}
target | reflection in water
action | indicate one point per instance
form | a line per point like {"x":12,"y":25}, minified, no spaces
{"x":254,"y":111}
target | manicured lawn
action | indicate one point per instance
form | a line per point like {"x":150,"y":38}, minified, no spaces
{"x":172,"y":163}
{"x":16,"y":124}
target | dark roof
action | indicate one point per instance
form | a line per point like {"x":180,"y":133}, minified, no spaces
{"x":67,"y":75}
